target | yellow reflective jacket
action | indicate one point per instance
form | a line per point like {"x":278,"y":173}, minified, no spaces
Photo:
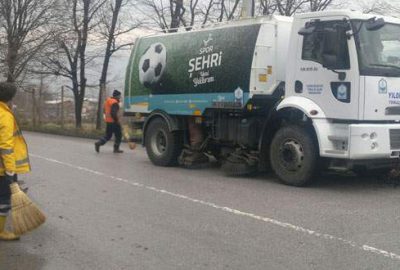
{"x":13,"y":149}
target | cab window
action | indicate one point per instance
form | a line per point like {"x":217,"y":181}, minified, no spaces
{"x":327,"y":44}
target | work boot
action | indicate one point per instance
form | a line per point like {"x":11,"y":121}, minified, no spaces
{"x":6,"y":235}
{"x":97,"y":146}
{"x":117,"y":150}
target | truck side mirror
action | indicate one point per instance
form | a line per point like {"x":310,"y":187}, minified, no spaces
{"x":375,"y":24}
{"x":307,"y":30}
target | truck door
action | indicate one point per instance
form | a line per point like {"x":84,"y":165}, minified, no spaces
{"x":326,"y":70}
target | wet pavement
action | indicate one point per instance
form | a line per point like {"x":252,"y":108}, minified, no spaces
{"x":108,"y":211}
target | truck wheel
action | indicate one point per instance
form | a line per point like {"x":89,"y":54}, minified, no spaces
{"x":294,"y":156}
{"x":162,"y":146}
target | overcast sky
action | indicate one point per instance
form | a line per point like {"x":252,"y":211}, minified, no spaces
{"x":120,"y":59}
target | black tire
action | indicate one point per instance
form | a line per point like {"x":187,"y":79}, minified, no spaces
{"x":162,"y":146}
{"x":294,"y":156}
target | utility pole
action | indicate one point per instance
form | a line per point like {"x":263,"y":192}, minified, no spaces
{"x":62,"y":107}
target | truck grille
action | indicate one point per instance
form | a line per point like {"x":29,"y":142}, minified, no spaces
{"x":392,"y":110}
{"x":394,"y":138}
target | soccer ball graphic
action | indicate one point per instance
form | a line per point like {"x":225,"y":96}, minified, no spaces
{"x":152,"y":64}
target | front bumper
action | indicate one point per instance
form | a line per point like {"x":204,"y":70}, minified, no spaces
{"x":374,"y":141}
{"x":358,"y":141}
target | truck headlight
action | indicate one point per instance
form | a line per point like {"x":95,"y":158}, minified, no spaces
{"x":374,"y":146}
{"x":365,"y":136}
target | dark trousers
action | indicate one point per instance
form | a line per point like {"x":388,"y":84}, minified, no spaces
{"x":5,"y":197}
{"x":112,"y":128}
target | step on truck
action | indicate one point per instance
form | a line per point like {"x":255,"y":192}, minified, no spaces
{"x":294,"y":95}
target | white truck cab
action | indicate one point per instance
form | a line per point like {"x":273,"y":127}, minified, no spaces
{"x":346,"y":77}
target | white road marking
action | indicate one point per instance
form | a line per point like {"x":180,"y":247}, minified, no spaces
{"x":285,"y":225}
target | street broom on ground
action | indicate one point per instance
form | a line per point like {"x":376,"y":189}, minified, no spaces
{"x":127,"y":134}
{"x":25,"y":215}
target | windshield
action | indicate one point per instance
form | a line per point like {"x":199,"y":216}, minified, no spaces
{"x":378,"y":51}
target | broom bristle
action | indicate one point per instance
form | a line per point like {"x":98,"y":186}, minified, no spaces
{"x":132,"y":145}
{"x":25,"y":215}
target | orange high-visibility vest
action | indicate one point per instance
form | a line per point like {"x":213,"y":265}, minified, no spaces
{"x":107,"y":109}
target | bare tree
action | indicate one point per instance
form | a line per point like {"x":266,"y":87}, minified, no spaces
{"x":318,"y":5}
{"x":177,"y":12}
{"x":70,"y":57}
{"x":157,"y":13}
{"x":26,"y":25}
{"x":267,"y":7}
{"x":111,"y":28}
{"x":168,"y":15}
{"x":206,"y":11}
{"x":290,"y":7}
{"x":193,"y":11}
{"x":230,"y":14}
{"x":380,"y":7}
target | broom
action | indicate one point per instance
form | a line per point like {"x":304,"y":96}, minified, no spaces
{"x":25,"y":215}
{"x":126,"y":132}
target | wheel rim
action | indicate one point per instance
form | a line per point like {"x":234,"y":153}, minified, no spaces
{"x":159,"y":143}
{"x":291,"y":155}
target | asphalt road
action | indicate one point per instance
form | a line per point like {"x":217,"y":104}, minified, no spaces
{"x":108,"y":211}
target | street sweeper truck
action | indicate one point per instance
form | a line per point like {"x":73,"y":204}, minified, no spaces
{"x":294,"y":95}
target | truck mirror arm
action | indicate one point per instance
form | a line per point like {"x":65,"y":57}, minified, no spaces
{"x":341,"y":75}
{"x":328,"y":65}
{"x":354,"y":33}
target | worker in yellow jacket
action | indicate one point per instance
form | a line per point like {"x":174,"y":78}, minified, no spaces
{"x":13,"y":155}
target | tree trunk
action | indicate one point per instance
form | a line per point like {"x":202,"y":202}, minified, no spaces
{"x":78,"y":111}
{"x":176,"y":16}
{"x":78,"y":103}
{"x":82,"y":60}
{"x":11,"y":60}
{"x":107,"y":56}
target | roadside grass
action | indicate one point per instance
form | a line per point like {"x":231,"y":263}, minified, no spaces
{"x":88,"y":130}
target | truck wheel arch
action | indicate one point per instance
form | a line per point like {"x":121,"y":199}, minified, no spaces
{"x":297,"y":107}
{"x":174,"y":123}
{"x":307,"y":106}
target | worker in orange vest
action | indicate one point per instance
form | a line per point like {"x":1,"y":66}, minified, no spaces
{"x":111,"y":109}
